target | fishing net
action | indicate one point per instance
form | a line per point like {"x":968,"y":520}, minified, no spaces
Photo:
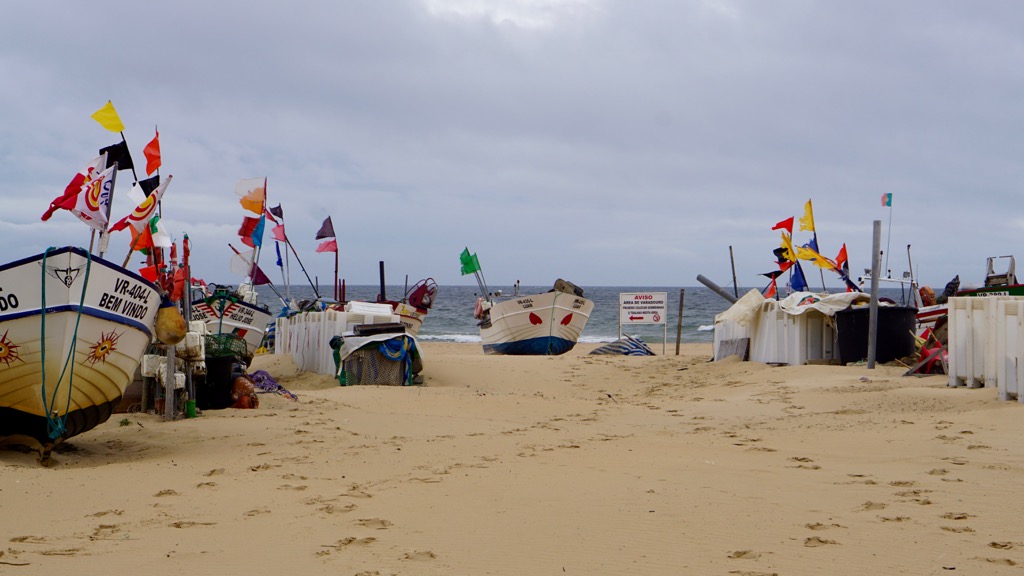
{"x":369,"y":365}
{"x":219,"y":345}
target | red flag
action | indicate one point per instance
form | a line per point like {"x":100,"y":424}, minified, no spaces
{"x":841,"y":258}
{"x":278,"y":233}
{"x":259,"y":278}
{"x":152,"y":153}
{"x":69,"y":197}
{"x":248,"y":230}
{"x":149,"y":273}
{"x":178,"y":291}
{"x":787,"y":224}
{"x":328,"y":246}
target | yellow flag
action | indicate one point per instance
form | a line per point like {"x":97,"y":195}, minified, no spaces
{"x":108,"y":118}
{"x":787,"y":244}
{"x":807,"y":221}
{"x":806,"y":253}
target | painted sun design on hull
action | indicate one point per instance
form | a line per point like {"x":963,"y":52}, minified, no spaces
{"x":8,"y":350}
{"x":99,"y":351}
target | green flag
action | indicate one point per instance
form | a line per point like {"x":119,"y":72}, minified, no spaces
{"x":470,"y":263}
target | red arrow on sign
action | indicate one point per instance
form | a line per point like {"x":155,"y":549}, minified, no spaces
{"x":636,"y":317}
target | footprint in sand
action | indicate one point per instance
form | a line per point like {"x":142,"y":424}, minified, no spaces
{"x":257,"y":512}
{"x":956,"y":516}
{"x":957,"y":529}
{"x":190,"y":524}
{"x":107,"y":512}
{"x":895,"y":518}
{"x":28,"y":539}
{"x":820,"y":526}
{"x":744,"y":555}
{"x":62,"y":552}
{"x":419,"y":555}
{"x":869,"y":505}
{"x":1002,"y":545}
{"x":1003,"y":561}
{"x":938,"y":472}
{"x":215,"y":472}
{"x":345,"y":543}
{"x":104,"y":531}
{"x":375,"y":523}
{"x":299,"y":488}
{"x":336,"y":509}
{"x":206,"y":485}
{"x":167,"y":492}
{"x":815,"y":541}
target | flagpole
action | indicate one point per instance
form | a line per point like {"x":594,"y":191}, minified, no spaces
{"x":110,"y":203}
{"x":888,"y":237}
{"x":270,"y":284}
{"x":263,"y":218}
{"x":283,"y":278}
{"x":286,"y":271}
{"x":299,"y":260}
{"x":336,"y":270}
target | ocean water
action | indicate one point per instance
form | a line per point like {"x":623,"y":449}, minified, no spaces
{"x":451,"y":318}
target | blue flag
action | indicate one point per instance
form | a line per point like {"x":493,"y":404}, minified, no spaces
{"x":798,"y":282}
{"x":277,"y":246}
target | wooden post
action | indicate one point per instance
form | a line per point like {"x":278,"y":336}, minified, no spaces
{"x":169,"y":385}
{"x":679,"y":323}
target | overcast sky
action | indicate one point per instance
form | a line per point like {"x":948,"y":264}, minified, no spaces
{"x":604,"y":142}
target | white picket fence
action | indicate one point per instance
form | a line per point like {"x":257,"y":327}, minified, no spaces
{"x":986,"y":344}
{"x":306,"y":336}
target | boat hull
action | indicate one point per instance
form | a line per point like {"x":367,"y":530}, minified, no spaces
{"x":541,"y":324}
{"x":241,"y":319}
{"x":73,"y":329}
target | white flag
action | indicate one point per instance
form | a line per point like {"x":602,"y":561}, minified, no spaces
{"x":241,"y":264}
{"x":94,"y":199}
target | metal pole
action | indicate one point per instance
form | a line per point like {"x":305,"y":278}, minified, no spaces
{"x":679,"y":323}
{"x":735,"y":286}
{"x":876,"y":246}
{"x":716,"y":288}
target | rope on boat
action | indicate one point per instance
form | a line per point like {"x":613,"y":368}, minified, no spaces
{"x":56,"y":425}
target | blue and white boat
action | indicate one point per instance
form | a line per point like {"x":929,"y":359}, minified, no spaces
{"x":73,"y":329}
{"x":549,"y":323}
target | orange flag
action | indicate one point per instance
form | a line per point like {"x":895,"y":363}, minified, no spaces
{"x":152,"y":153}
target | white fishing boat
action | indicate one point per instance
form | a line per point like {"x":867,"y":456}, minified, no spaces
{"x":412,"y":310}
{"x":233,"y":315}
{"x":548,"y":323}
{"x":73,"y":329}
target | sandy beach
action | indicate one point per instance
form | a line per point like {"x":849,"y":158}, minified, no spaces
{"x":577,"y":464}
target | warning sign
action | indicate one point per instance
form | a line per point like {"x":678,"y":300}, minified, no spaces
{"x":642,"y":307}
